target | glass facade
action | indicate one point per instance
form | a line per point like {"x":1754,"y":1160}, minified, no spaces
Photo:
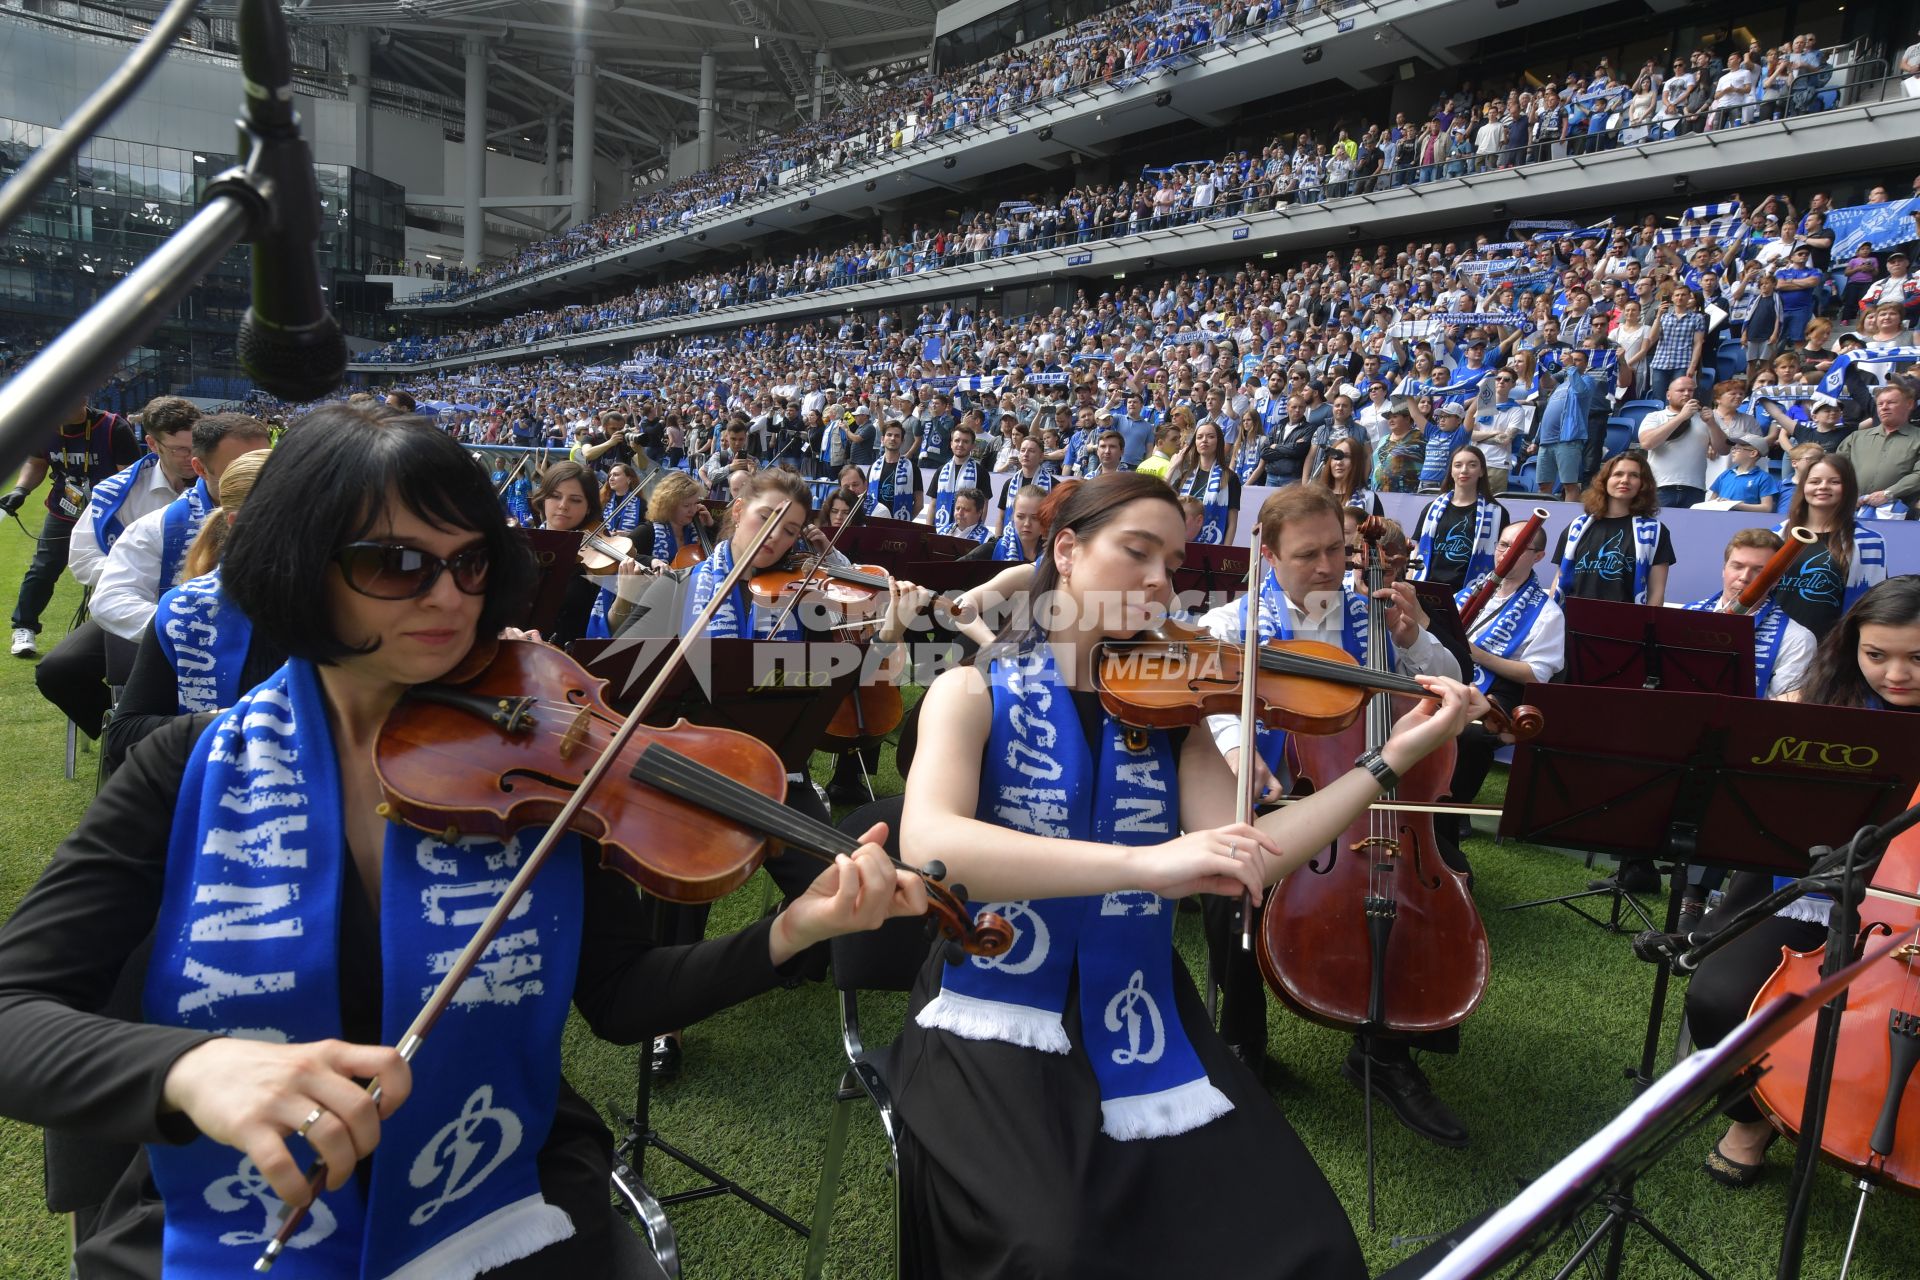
{"x":115,"y":205}
{"x":1013,"y":24}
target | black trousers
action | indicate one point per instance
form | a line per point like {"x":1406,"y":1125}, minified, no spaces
{"x":1722,"y":990}
{"x":43,"y":572}
{"x":73,"y":677}
{"x":680,"y":924}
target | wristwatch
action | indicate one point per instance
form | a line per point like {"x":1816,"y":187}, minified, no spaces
{"x":1376,"y":764}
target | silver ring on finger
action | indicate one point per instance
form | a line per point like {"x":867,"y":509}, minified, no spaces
{"x":313,"y":1118}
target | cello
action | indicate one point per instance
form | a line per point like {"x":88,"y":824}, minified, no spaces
{"x":1871,"y":1126}
{"x":1376,"y":934}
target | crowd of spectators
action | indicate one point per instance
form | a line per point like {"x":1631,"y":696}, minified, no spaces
{"x":1125,"y":41}
{"x":1405,"y":351}
{"x":1515,"y":126}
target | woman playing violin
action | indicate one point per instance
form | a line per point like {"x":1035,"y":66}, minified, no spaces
{"x":1870,"y":659}
{"x":565,"y":500}
{"x":1085,"y":1049}
{"x":680,"y":517}
{"x":620,"y":498}
{"x":295,"y":927}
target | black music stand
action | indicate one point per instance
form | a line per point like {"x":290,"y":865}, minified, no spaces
{"x":1640,"y":646}
{"x":766,"y":688}
{"x":1603,"y":1169}
{"x":556,"y":558}
{"x":1732,"y":782}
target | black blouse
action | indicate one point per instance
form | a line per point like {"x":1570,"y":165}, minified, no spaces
{"x":96,"y":1076}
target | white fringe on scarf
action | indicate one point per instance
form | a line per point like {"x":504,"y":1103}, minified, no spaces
{"x":971,"y":1018}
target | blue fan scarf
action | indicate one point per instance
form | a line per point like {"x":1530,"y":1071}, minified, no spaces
{"x":954,"y":476}
{"x":1008,"y":547}
{"x":246,"y":944}
{"x":1486,"y":536}
{"x":1769,"y":628}
{"x":1646,"y":543}
{"x":110,"y":495}
{"x":1276,"y":623}
{"x":1510,"y":629}
{"x":205,"y":638}
{"x":183,"y":518}
{"x":735,"y":619}
{"x":892,"y":492}
{"x":1213,"y":503}
{"x":1039,"y":776}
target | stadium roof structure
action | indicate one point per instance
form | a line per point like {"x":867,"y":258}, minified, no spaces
{"x":647,"y":57}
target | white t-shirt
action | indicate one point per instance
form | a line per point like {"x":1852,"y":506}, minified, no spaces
{"x":1680,"y":459}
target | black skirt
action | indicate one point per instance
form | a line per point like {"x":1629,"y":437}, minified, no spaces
{"x":1004,"y":1171}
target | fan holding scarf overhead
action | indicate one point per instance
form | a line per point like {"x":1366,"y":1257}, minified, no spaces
{"x":294,"y":928}
{"x":1085,"y":1048}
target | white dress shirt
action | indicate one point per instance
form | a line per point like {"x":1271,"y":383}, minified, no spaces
{"x":128,"y":589}
{"x":1545,"y":648}
{"x":85,"y":559}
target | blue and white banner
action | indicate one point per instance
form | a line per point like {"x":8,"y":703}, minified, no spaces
{"x":1541,"y":224}
{"x":1506,"y":319}
{"x":1719,"y":229}
{"x":1887,"y":223}
{"x":1833,"y":383}
{"x":1702,"y":212}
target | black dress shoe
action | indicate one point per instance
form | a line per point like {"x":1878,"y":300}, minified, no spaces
{"x":667,"y":1056}
{"x":1403,"y":1087}
{"x":846,"y":793}
{"x":1637,"y":875}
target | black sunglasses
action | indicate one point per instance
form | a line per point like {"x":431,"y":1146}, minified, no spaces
{"x":392,"y":571}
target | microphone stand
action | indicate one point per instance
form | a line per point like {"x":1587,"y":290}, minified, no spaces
{"x":1843,"y":873}
{"x":238,"y":207}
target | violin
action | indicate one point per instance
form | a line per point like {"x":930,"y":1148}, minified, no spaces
{"x":1181,"y":676}
{"x":696,"y":551}
{"x":518,"y":730}
{"x":1872,"y":1124}
{"x":602,"y":554}
{"x":502,"y":750}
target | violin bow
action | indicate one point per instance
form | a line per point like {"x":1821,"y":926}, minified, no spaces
{"x":1249,"y":772}
{"x":291,"y":1214}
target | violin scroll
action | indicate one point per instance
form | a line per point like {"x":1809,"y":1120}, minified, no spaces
{"x":1522,"y":723}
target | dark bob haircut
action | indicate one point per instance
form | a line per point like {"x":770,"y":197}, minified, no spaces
{"x":325,"y":486}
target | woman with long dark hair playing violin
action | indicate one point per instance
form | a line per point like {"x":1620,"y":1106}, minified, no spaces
{"x":294,"y":928}
{"x":1084,"y":1050}
{"x":1870,"y":659}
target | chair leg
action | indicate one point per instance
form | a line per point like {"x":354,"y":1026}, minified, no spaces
{"x":829,"y":1194}
{"x":73,"y":748}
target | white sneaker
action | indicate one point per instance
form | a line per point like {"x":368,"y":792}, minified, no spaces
{"x":23,"y":645}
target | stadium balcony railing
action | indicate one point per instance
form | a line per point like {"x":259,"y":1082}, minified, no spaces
{"x":1869,"y":136}
{"x":1345,"y":40}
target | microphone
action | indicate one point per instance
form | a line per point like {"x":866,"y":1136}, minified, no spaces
{"x":1656,"y":947}
{"x":289,"y":342}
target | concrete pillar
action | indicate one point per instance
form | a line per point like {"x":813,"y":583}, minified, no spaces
{"x":473,"y":238}
{"x":360,"y":93}
{"x":707,"y":72}
{"x":820,"y":65}
{"x":583,"y":118}
{"x":550,"y":180}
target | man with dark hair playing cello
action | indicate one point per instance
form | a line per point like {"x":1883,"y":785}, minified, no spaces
{"x":1304,"y":545}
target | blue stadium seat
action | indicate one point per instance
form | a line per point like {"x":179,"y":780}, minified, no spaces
{"x":1521,"y":478}
{"x":1620,"y":433}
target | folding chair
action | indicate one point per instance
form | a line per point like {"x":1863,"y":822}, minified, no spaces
{"x":888,"y":959}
